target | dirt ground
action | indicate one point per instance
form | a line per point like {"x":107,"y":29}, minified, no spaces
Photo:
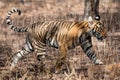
{"x":68,"y":10}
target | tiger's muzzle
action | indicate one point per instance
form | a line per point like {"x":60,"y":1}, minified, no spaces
{"x":100,"y":36}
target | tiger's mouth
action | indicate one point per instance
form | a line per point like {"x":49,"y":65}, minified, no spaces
{"x":101,"y":38}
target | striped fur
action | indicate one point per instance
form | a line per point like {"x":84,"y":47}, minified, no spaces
{"x":59,"y":34}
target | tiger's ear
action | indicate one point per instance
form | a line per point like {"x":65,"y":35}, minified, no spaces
{"x":90,"y":21}
{"x":97,"y":17}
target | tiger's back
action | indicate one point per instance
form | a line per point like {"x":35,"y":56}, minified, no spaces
{"x":54,"y":33}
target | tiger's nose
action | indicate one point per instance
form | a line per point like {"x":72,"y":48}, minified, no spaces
{"x":105,"y":36}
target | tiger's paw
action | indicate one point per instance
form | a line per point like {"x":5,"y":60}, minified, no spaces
{"x":98,"y":62}
{"x":58,"y":66}
{"x":56,"y":70}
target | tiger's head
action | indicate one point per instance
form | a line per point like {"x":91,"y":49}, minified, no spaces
{"x":97,"y":28}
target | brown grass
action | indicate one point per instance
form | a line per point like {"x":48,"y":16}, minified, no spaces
{"x":82,"y":68}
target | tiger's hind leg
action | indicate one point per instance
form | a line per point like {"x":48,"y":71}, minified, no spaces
{"x":41,"y":65}
{"x":41,"y":59}
{"x":27,"y":49}
{"x":19,"y":55}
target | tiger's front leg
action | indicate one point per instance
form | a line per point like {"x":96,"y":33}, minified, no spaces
{"x":87,"y":48}
{"x":62,"y":58}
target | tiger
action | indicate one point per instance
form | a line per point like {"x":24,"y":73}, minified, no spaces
{"x":62,"y":35}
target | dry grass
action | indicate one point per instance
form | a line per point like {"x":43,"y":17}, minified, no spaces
{"x":82,"y":68}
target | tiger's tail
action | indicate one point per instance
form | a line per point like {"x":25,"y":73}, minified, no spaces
{"x":9,"y":21}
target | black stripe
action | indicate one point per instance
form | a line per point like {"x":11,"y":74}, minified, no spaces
{"x":12,"y":27}
{"x":11,"y":11}
{"x":19,"y":12}
{"x":14,"y":10}
{"x":7,"y":17}
{"x":9,"y":23}
{"x":18,"y":30}
{"x":87,"y":47}
{"x":93,"y":57}
{"x":21,"y":30}
{"x":91,"y":54}
{"x":82,"y":38}
{"x":95,"y":28}
{"x":21,"y":53}
{"x":29,"y":44}
{"x":88,"y":52}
